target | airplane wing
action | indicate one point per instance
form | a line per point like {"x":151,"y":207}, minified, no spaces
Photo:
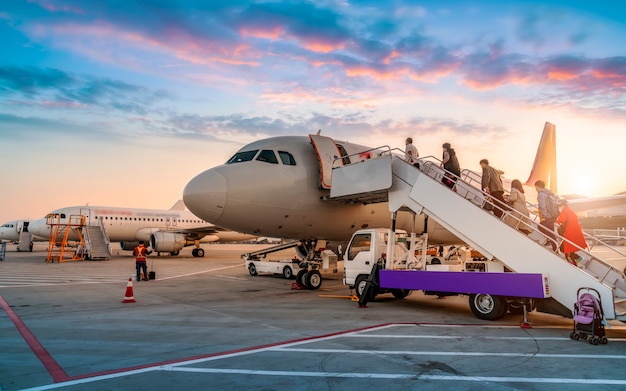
{"x":585,"y":204}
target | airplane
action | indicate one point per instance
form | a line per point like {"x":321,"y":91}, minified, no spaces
{"x":279,"y":187}
{"x":12,"y":230}
{"x":165,"y":230}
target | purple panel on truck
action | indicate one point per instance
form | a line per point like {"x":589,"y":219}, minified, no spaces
{"x":501,"y":284}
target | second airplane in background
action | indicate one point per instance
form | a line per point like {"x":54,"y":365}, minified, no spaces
{"x":166,"y":230}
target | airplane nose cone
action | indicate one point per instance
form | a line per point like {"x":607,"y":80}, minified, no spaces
{"x":205,"y":195}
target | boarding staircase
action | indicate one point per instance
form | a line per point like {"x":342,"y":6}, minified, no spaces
{"x":25,"y":240}
{"x":461,"y":211}
{"x":96,"y":242}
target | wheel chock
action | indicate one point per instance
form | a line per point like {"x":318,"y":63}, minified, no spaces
{"x":354,"y":298}
{"x":526,"y":325}
{"x":362,"y":305}
{"x":295,"y":286}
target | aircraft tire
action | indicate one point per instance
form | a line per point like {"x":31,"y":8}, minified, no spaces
{"x":313,"y":280}
{"x":301,"y":276}
{"x":252,"y":269}
{"x":174,"y":253}
{"x":487,"y":307}
{"x":199,"y":252}
{"x":288,"y":272}
{"x":194,"y":252}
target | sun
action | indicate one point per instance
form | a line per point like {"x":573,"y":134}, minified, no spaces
{"x":584,"y":186}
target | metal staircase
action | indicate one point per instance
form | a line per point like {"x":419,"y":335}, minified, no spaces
{"x":96,"y":242}
{"x":460,"y":210}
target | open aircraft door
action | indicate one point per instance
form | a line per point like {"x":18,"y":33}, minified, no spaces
{"x":327,"y":152}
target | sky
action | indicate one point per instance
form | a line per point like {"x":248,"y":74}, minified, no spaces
{"x":121,"y":103}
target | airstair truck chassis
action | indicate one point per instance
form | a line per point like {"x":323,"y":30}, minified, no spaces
{"x":369,"y":270}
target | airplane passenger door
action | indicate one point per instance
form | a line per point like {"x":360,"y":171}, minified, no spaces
{"x":85,"y":212}
{"x":327,"y":152}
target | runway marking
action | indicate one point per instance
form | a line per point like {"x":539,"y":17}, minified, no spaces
{"x":55,"y":370}
{"x":356,"y":375}
{"x":196,"y":273}
{"x":291,"y":346}
{"x":439,"y":353}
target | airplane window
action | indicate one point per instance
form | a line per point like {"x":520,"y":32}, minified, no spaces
{"x":287,"y":158}
{"x":268,"y":156}
{"x":242,"y":157}
{"x":62,"y":215}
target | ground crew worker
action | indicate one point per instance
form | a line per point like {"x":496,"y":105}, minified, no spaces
{"x":141,"y":252}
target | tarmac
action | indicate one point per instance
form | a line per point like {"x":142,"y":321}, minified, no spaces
{"x":205,"y":323}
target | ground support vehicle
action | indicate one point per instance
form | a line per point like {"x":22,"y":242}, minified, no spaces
{"x":491,"y":290}
{"x":312,"y":257}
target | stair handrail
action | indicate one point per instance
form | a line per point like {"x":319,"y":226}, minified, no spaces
{"x":363,"y":155}
{"x":429,"y":164}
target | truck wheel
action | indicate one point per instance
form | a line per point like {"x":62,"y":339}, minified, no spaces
{"x":252,"y":269}
{"x":313,"y":279}
{"x":287,"y":273}
{"x":359,"y":286}
{"x":487,"y":307}
{"x":400,"y":293}
{"x":300,"y":276}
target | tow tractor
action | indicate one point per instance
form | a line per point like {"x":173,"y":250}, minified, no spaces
{"x":306,"y":270}
{"x":379,"y":261}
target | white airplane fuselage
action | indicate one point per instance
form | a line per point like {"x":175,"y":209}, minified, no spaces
{"x":129,"y":224}
{"x":285,"y":200}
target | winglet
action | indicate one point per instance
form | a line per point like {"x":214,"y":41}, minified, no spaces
{"x":544,"y":167}
{"x":179,"y":205}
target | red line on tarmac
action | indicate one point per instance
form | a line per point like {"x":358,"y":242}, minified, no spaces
{"x":55,"y":370}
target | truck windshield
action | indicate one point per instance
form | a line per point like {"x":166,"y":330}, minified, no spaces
{"x":360,"y":242}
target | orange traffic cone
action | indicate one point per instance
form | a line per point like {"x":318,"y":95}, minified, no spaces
{"x":129,"y":297}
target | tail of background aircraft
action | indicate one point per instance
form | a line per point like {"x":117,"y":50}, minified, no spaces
{"x":179,"y":205}
{"x":544,"y":167}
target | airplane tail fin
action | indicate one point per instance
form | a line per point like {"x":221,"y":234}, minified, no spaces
{"x":179,"y":205}
{"x":544,"y":167}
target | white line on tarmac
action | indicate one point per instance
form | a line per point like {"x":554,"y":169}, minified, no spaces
{"x":200,"y":272}
{"x":354,"y":375}
{"x":473,"y":337}
{"x":475,"y":354}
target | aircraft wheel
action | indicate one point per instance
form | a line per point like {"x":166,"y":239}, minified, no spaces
{"x":604,"y":340}
{"x":572,"y":335}
{"x":576,"y":337}
{"x":199,"y":252}
{"x":194,"y":252}
{"x":252,"y":269}
{"x":287,"y":272}
{"x":487,"y":307}
{"x":300,"y":276}
{"x":174,"y":253}
{"x":313,"y":279}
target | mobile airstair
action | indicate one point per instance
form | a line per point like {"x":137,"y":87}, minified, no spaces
{"x":387,"y":177}
{"x":97,"y":242}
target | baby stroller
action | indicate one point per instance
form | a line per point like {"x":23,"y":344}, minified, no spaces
{"x":588,"y":317}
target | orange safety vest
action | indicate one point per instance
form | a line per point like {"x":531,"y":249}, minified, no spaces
{"x":140,"y":253}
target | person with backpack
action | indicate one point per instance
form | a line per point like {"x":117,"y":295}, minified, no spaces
{"x":548,"y":213}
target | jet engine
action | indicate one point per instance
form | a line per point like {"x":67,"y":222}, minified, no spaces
{"x":163,"y":242}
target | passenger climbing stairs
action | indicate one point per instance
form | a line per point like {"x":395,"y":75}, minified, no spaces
{"x":462,"y":211}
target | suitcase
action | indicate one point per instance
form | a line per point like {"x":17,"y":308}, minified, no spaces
{"x":152,"y":275}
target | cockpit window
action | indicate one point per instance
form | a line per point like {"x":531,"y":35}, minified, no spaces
{"x":242,"y":157}
{"x":287,"y":158}
{"x":268,"y":156}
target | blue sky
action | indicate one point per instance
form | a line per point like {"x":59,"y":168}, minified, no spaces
{"x":123,"y":102}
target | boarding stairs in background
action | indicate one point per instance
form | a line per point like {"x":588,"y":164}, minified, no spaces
{"x":26,"y":238}
{"x":461,"y":211}
{"x":96,"y":242}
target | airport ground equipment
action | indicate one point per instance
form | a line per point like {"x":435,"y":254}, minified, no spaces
{"x":461,"y":211}
{"x":3,"y":250}
{"x":59,"y":248}
{"x":312,"y":257}
{"x":96,"y":241}
{"x":25,"y":242}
